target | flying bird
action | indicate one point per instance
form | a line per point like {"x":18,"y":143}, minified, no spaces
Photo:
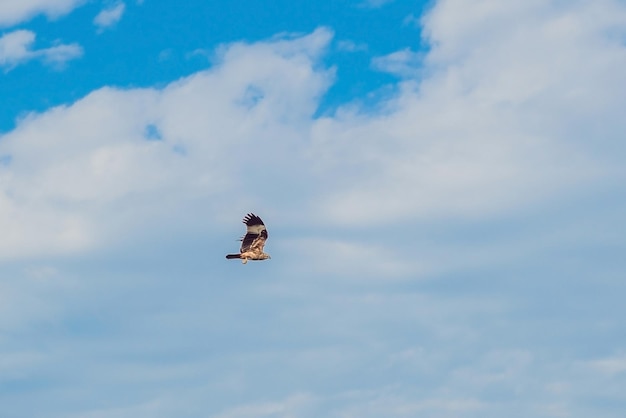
{"x":253,"y":242}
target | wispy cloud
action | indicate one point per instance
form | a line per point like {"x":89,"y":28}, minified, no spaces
{"x":412,"y":20}
{"x":356,"y":260}
{"x":16,"y":11}
{"x":295,"y":405}
{"x":17,"y":48}
{"x":109,"y":16}
{"x":351,"y":46}
{"x":375,"y":3}
{"x":405,"y":63}
{"x":611,"y":365}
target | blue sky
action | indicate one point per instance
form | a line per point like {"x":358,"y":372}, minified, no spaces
{"x":166,"y":44}
{"x":442,"y":184}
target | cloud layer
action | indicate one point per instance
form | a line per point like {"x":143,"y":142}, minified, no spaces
{"x":474,"y":131}
{"x":125,"y":149}
{"x":493,"y":117}
{"x":453,"y":250}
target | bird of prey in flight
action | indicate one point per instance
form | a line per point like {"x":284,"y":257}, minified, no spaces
{"x":253,"y":242}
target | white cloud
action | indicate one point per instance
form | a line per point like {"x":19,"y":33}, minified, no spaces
{"x":58,"y":55}
{"x":72,"y":165}
{"x":41,"y":272}
{"x":470,"y":132}
{"x":386,"y":403}
{"x":611,"y":365}
{"x":109,"y":16}
{"x":295,"y":405}
{"x":375,"y":3}
{"x":16,"y":11}
{"x":351,"y":46}
{"x":17,"y":47}
{"x":481,"y":129}
{"x":498,"y":116}
{"x":412,"y":20}
{"x":404,"y":63}
{"x":355,"y":260}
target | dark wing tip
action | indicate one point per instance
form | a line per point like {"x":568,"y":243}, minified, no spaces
{"x":251,"y":219}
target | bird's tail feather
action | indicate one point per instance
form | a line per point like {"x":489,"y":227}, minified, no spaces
{"x":230,"y":256}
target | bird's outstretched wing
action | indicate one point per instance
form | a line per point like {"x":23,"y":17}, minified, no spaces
{"x":256,"y":233}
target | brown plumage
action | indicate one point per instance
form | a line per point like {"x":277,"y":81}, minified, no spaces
{"x":253,"y":242}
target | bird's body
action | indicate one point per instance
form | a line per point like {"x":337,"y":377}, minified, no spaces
{"x":253,"y":242}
